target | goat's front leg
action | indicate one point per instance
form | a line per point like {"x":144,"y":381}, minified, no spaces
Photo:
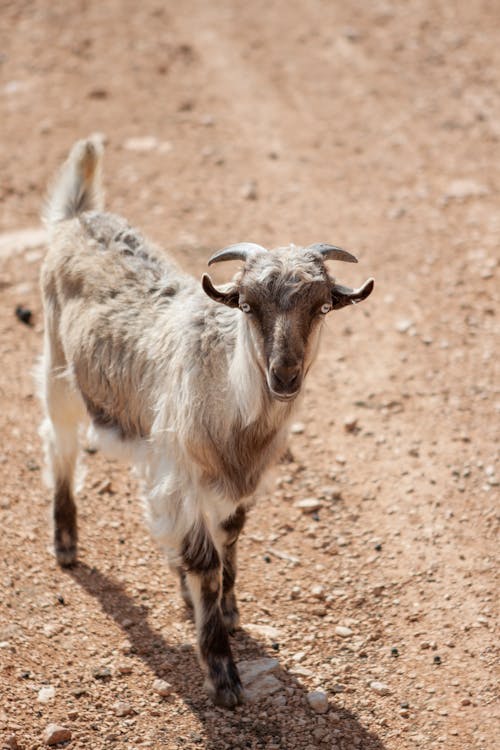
{"x":232,"y":527}
{"x":203,"y":568}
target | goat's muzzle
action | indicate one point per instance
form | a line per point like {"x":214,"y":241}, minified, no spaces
{"x":284,"y":381}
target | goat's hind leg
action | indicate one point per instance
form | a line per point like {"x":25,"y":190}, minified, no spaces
{"x":203,"y":567}
{"x":60,"y":433}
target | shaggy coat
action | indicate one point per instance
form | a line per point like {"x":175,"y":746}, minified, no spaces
{"x":195,"y":385}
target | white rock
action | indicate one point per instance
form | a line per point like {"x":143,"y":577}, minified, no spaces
{"x":380,"y":687}
{"x":343,"y":631}
{"x":144,"y":143}
{"x":263,"y":631}
{"x":46,"y":693}
{"x":251,"y":669}
{"x":404,"y":325}
{"x":308,"y":505}
{"x":461,"y":189}
{"x":318,"y":700}
{"x":297,"y":428}
{"x":249,"y":191}
{"x":261,"y":687}
{"x":123,"y":709}
{"x":54,"y":734}
{"x":318,"y":592}
{"x":162,"y":687}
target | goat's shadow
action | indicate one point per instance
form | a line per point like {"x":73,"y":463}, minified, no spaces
{"x":285,"y":729}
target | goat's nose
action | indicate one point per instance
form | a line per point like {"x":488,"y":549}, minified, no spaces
{"x":286,"y":376}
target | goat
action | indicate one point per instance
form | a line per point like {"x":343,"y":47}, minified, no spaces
{"x":197,"y":394}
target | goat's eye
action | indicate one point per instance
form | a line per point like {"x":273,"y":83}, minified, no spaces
{"x":326,"y":308}
{"x":245,"y":307}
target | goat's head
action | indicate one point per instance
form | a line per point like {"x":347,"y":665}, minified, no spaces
{"x":284,"y":293}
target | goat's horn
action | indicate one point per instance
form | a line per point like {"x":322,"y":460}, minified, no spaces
{"x":240,"y":251}
{"x":332,"y":252}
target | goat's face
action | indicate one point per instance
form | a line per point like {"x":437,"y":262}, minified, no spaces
{"x":284,"y":295}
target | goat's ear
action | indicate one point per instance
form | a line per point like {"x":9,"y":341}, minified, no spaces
{"x":343,"y":295}
{"x":229,"y":296}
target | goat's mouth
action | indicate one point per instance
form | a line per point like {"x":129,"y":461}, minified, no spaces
{"x":283,"y":397}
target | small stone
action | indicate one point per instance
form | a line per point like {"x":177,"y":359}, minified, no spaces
{"x":380,"y":688}
{"x":465,"y":188}
{"x":162,"y":687}
{"x":261,"y":687}
{"x":46,"y":693}
{"x":343,"y":631}
{"x":297,"y":428}
{"x":318,"y":592}
{"x":295,"y":592}
{"x":404,"y":325}
{"x":23,"y":314}
{"x":251,"y":669}
{"x":308,"y":505}
{"x":144,"y":143}
{"x":54,"y":734}
{"x":10,"y":743}
{"x":318,"y":700}
{"x":123,"y":709}
{"x":101,"y":673}
{"x":249,"y":191}
{"x":350,"y":424}
{"x":124,"y":668}
{"x":263,"y":631}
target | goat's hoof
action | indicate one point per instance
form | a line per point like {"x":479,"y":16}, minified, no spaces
{"x":66,"y":556}
{"x":228,"y":697}
{"x":65,"y":544}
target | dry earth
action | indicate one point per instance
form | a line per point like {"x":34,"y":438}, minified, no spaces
{"x":372,"y":125}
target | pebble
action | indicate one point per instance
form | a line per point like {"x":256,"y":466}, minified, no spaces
{"x":295,"y":592}
{"x":123,"y":709}
{"x":10,"y":743}
{"x":343,"y":631}
{"x":101,"y":673}
{"x":263,"y":631}
{"x":461,"y":189}
{"x":256,"y":678}
{"x":251,"y":669}
{"x":297,"y":428}
{"x":249,"y":191}
{"x":162,"y":687}
{"x":404,"y":325}
{"x":318,"y":700}
{"x":54,"y":734}
{"x":350,"y":423}
{"x":380,"y":688}
{"x":144,"y":143}
{"x":46,"y":693}
{"x":308,"y":505}
{"x":318,"y":592}
{"x":261,"y":687}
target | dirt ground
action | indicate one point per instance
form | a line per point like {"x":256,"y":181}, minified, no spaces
{"x":375,"y":126}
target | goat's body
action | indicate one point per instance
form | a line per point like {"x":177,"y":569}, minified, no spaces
{"x":118,"y":336}
{"x":179,"y":384}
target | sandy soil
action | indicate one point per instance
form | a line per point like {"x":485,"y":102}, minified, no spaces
{"x":372,"y":125}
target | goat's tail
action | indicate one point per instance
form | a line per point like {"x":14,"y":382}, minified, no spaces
{"x":77,"y":187}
